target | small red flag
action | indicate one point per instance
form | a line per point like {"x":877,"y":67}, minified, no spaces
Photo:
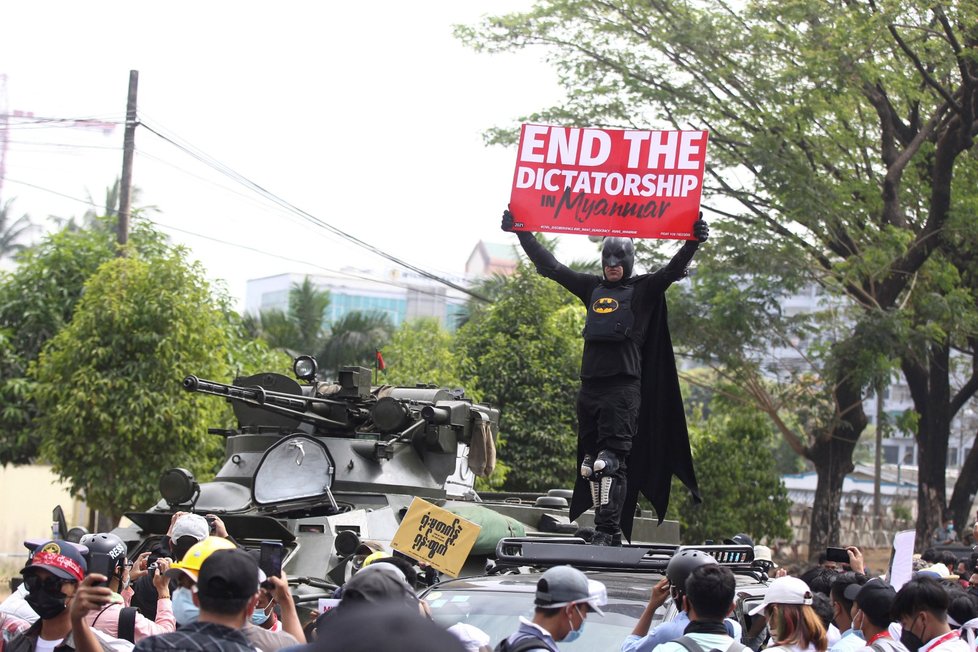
{"x":380,"y":362}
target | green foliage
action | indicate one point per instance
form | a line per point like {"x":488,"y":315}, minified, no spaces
{"x":522,"y":354}
{"x":298,"y":329}
{"x":306,"y":307}
{"x":902,"y":513}
{"x":354,"y":339}
{"x":735,"y":466}
{"x":841,"y":145}
{"x":111,"y":407}
{"x":12,"y":231}
{"x":36,"y":301}
{"x":421,"y":352}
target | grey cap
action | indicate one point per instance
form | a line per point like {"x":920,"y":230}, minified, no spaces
{"x":564,"y":585}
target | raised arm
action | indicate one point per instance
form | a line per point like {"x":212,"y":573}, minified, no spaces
{"x":545,"y":261}
{"x":547,"y":265}
{"x":677,"y":267}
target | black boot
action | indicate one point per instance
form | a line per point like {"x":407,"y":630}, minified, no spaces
{"x":602,"y":539}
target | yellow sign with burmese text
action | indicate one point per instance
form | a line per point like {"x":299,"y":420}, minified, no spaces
{"x":435,"y":536}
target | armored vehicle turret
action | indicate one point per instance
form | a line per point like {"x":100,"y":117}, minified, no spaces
{"x":323,"y":467}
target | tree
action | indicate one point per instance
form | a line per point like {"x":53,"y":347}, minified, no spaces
{"x":307,"y":304}
{"x":104,"y":218}
{"x":522,"y":354}
{"x":299,"y":328}
{"x":38,"y":300}
{"x":837,"y":130}
{"x":111,"y":408}
{"x":354,"y":339}
{"x":12,"y":231}
{"x":733,"y":449}
{"x":421,"y":351}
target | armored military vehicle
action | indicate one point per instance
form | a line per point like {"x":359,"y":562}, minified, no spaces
{"x":325,"y":467}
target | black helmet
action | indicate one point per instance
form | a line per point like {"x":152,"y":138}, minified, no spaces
{"x":107,"y":543}
{"x":683,"y":563}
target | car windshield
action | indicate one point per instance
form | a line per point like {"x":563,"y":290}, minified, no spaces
{"x":497,"y":614}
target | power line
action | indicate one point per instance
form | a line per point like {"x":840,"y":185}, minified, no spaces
{"x":246,"y":196}
{"x":260,"y":200}
{"x":224,"y":169}
{"x":292,"y":259}
{"x":64,"y":145}
{"x":87,"y":202}
{"x":236,"y":245}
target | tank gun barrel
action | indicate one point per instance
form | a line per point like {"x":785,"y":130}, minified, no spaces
{"x":288,"y":404}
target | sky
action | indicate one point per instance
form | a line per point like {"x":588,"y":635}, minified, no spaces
{"x":368,"y":116}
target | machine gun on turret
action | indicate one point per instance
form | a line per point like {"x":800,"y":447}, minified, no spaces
{"x":432,"y":418}
{"x":298,"y":444}
{"x":323,"y":467}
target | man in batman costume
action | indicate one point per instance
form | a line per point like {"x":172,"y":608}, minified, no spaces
{"x":631,"y":421}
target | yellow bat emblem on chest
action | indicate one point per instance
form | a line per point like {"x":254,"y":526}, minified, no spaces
{"x":605,"y":305}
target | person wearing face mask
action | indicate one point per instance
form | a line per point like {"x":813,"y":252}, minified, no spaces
{"x":185,"y":573}
{"x":708,"y":599}
{"x":564,"y":597}
{"x":673,"y":585}
{"x":871,"y":606}
{"x":851,"y":637}
{"x":921,"y":608}
{"x":62,"y":597}
{"x":264,"y":630}
{"x":626,"y":443}
{"x":186,"y":529}
{"x":226,"y":593}
{"x":118,"y":619}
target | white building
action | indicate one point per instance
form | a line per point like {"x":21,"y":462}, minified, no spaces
{"x":401,"y":295}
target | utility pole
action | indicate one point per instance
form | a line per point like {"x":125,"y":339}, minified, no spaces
{"x":128,"y":147}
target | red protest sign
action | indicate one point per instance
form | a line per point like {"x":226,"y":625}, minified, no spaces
{"x":630,"y":183}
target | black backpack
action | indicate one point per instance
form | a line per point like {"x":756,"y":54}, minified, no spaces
{"x":127,"y":622}
{"x":521,"y":645}
{"x":693,"y":646}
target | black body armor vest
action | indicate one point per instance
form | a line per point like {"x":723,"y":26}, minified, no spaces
{"x":609,"y":315}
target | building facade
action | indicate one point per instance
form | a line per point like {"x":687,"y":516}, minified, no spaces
{"x":401,"y":295}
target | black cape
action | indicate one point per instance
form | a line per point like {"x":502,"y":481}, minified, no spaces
{"x":660,"y":448}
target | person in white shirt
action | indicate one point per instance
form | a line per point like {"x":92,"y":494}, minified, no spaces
{"x":851,"y":638}
{"x":871,"y":606}
{"x":708,"y":599}
{"x":921,"y":608}
{"x":795,"y":627}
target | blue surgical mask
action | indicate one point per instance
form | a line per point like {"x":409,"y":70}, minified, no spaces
{"x":574,"y":634}
{"x":184,"y":609}
{"x":258,"y":616}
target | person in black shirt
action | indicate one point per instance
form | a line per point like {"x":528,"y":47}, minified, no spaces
{"x":624,"y":313}
{"x":227,"y":593}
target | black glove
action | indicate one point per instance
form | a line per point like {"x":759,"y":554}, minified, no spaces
{"x":700,"y":229}
{"x":508,"y":221}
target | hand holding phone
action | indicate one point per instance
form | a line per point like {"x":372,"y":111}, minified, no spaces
{"x":270,"y":560}
{"x":838,"y":555}
{"x":100,"y":562}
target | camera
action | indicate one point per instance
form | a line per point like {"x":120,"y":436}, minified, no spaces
{"x":151,"y":569}
{"x":211,"y":523}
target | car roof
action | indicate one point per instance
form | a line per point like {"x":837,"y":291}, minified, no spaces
{"x":628,"y":572}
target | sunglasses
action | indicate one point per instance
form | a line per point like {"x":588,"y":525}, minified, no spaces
{"x":49,"y":584}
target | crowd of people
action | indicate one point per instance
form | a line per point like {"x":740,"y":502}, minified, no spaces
{"x":198,"y":591}
{"x":201,"y":591}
